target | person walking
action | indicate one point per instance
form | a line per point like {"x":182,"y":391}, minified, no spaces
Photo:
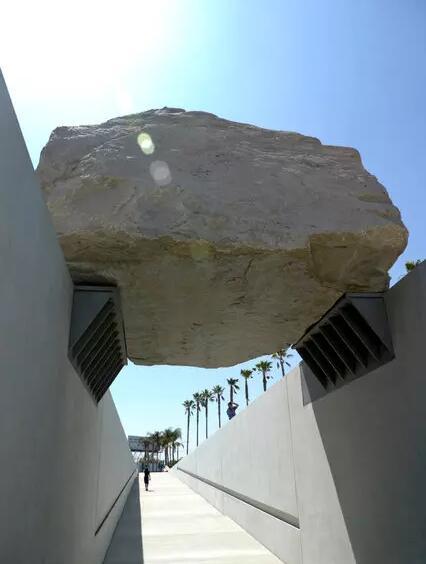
{"x":232,"y":409}
{"x":146,"y":478}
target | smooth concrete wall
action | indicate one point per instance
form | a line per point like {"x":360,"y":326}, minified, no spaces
{"x":63,"y":459}
{"x":252,"y":455}
{"x":356,"y":458}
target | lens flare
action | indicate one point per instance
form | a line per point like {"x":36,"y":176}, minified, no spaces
{"x":146,"y":143}
{"x":160,"y":172}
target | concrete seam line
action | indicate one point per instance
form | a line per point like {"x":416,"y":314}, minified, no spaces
{"x":290,"y":423}
{"x":273,"y":511}
{"x":99,"y":432}
{"x":114,"y":502}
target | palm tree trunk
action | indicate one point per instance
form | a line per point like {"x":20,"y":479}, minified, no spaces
{"x":231,"y":395}
{"x":207,"y":421}
{"x":246,"y":389}
{"x":187,"y":434}
{"x":198,"y":421}
{"x":282,"y":366}
{"x":218,"y":411}
{"x":264,"y":382}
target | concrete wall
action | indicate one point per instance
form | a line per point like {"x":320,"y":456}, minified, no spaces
{"x":63,"y":460}
{"x":252,"y":455}
{"x":345,"y":475}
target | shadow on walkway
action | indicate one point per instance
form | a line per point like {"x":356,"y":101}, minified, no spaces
{"x":126,"y":544}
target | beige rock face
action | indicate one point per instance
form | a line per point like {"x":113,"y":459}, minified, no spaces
{"x":225,"y":239}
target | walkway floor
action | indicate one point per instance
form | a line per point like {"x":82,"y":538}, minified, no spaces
{"x":179,"y":527}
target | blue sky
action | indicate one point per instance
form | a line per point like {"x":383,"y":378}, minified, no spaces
{"x":349,"y":73}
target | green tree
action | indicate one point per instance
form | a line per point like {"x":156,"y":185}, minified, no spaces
{"x":197,"y":399}
{"x":411,"y":264}
{"x":189,"y":406}
{"x":246,"y":374}
{"x":282,"y":357}
{"x":206,"y":396}
{"x":218,"y":392}
{"x":233,"y":388}
{"x":264,"y":367}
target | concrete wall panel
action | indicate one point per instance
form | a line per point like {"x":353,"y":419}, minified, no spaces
{"x":115,"y":464}
{"x":373,"y":433}
{"x":62,"y":458}
{"x":252,"y":455}
{"x":324,"y":536}
{"x":249,"y":441}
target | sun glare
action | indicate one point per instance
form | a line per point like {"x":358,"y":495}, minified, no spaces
{"x":83,"y":49}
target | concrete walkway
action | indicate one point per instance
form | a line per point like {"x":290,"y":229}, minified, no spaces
{"x":179,"y":527}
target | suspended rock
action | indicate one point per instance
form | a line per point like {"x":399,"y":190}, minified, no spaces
{"x":226,"y":240}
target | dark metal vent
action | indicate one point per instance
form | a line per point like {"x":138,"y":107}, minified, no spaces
{"x":97,"y":347}
{"x":350,"y":340}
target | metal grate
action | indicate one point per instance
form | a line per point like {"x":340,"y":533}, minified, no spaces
{"x":97,"y":347}
{"x":350,"y":340}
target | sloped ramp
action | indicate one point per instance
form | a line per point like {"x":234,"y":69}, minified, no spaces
{"x":170,"y":524}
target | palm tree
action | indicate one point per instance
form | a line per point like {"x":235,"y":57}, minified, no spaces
{"x":163,"y":445}
{"x":189,"y":410}
{"x":178,"y":446}
{"x":146,"y":445}
{"x":197,"y":399}
{"x":218,"y":392}
{"x":264,"y":366}
{"x":281,"y":357}
{"x":156,"y":440}
{"x":246,"y":374}
{"x":167,"y":439}
{"x":206,"y":396}
{"x":233,"y":387}
{"x":176,"y":435}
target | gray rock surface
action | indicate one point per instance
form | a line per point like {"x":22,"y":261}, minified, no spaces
{"x":226,"y":240}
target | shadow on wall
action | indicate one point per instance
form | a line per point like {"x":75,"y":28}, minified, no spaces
{"x":126,"y":545}
{"x":374,"y":431}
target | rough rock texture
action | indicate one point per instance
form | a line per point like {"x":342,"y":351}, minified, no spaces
{"x":227,"y":240}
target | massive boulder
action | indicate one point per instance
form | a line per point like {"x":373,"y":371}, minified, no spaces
{"x":226,"y":240}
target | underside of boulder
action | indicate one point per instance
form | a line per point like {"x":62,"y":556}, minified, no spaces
{"x":226,"y":240}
